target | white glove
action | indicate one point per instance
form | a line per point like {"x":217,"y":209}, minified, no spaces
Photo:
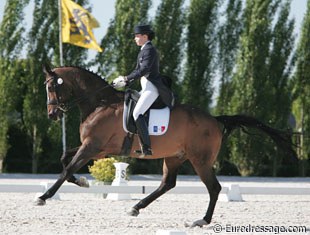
{"x":119,"y":82}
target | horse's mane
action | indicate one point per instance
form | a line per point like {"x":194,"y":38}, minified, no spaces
{"x":85,"y":70}
{"x":120,"y":94}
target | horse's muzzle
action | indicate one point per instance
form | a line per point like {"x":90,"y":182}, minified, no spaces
{"x":55,"y":114}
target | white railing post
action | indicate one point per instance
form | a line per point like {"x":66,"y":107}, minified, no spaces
{"x":120,"y":180}
{"x":234,"y":193}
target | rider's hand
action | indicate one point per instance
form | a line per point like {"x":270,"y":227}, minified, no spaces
{"x":119,"y":82}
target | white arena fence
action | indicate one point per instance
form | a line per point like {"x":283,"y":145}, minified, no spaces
{"x":141,"y":189}
{"x":232,"y":192}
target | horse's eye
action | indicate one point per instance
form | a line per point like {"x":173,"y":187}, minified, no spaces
{"x":60,"y":81}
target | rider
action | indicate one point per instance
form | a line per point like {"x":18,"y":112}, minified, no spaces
{"x":147,"y":69}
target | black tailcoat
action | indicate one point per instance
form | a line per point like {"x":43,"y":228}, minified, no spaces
{"x":148,"y":66}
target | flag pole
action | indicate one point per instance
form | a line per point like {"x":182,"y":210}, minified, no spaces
{"x":63,"y":120}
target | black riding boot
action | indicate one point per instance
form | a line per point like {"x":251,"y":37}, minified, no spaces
{"x":144,"y":136}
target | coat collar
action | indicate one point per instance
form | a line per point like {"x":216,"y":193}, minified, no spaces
{"x":148,"y":42}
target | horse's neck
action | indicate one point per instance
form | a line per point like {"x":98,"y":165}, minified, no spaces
{"x":99,"y":93}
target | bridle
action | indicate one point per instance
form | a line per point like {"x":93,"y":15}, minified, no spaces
{"x":65,"y":106}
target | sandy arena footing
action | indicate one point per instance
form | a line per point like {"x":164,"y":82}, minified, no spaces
{"x":91,"y":214}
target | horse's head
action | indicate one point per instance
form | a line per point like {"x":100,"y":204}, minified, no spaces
{"x":57,"y":93}
{"x":70,"y":86}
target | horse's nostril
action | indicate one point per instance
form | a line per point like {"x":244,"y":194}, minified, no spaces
{"x":54,"y":114}
{"x":51,"y":113}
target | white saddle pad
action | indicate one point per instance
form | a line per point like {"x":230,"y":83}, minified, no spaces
{"x":159,"y":121}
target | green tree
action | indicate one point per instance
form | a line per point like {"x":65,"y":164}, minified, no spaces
{"x":106,"y":61}
{"x":43,"y":37}
{"x":260,"y":81}
{"x":199,"y":68}
{"x":11,"y":42}
{"x":119,"y":57}
{"x":228,"y":43}
{"x":301,"y":94}
{"x":250,"y":79}
{"x":279,"y":72}
{"x":168,"y":25}
{"x":44,"y":47}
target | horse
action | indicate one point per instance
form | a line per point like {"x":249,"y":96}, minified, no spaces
{"x":193,"y":135}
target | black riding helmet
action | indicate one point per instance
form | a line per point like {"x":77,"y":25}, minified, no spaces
{"x":144,"y":29}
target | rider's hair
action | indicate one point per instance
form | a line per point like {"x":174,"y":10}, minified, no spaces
{"x":150,"y":35}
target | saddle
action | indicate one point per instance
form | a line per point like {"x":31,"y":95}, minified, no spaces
{"x":157,"y":116}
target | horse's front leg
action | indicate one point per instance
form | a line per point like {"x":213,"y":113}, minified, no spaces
{"x":83,"y":155}
{"x":65,"y":160}
{"x":170,"y":171}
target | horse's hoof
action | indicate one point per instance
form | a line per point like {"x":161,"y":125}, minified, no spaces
{"x":83,"y":182}
{"x":40,"y":202}
{"x":199,"y":223}
{"x":133,"y":212}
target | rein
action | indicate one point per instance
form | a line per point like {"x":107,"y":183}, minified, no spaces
{"x":69,"y":105}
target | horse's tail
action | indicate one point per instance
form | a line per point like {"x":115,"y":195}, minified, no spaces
{"x":283,"y":139}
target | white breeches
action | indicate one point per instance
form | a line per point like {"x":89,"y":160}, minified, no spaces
{"x":148,"y":95}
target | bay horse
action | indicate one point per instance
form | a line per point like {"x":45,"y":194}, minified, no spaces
{"x":192,"y":135}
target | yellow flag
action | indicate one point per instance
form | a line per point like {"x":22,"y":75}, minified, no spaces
{"x":77,"y":25}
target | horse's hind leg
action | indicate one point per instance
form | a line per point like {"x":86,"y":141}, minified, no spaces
{"x":170,"y":170}
{"x":207,"y":175}
{"x":65,"y":160}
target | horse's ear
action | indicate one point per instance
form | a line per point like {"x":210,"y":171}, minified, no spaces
{"x":46,"y":68}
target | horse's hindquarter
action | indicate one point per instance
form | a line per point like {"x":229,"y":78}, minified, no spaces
{"x":191,"y":132}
